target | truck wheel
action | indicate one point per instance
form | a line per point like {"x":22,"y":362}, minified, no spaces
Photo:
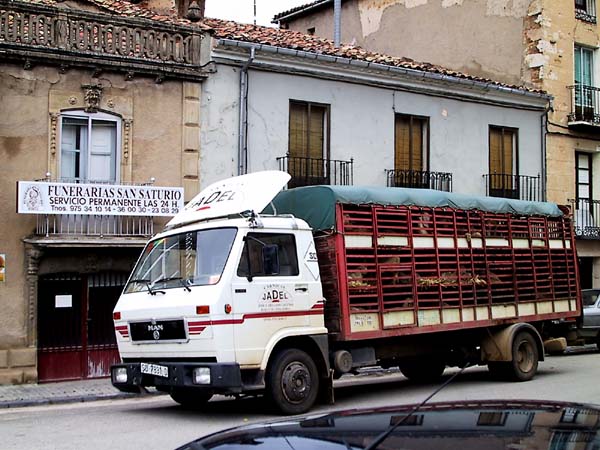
{"x":190,"y":398}
{"x":292,"y":382}
{"x":423,"y":371}
{"x":525,"y":358}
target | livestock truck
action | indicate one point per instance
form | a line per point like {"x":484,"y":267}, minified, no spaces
{"x":250,"y":290}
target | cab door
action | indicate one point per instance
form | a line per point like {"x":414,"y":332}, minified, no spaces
{"x":269,"y":294}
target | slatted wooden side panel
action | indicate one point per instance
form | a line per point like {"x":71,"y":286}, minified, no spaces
{"x":407,"y":269}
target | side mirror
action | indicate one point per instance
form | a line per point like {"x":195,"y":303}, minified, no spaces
{"x":270,"y":255}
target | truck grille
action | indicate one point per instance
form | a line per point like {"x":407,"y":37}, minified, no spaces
{"x":158,"y":330}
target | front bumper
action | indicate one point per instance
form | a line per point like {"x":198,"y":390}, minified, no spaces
{"x":225,"y":378}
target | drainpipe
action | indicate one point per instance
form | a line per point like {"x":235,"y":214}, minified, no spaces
{"x":243,"y":124}
{"x":544,"y":120}
{"x":337,"y":22}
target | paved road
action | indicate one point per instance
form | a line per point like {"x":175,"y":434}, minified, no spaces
{"x":158,"y":423}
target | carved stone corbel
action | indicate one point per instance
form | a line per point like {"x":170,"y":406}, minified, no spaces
{"x":92,"y":97}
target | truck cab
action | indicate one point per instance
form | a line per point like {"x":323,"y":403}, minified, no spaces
{"x":214,"y":299}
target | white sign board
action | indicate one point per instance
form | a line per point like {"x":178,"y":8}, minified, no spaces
{"x":39,"y":197}
{"x":251,"y":192}
{"x":63,"y":301}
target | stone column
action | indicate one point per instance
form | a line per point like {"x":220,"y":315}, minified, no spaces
{"x":190,"y":159}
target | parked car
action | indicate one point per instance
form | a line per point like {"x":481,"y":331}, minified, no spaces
{"x":465,"y":425}
{"x":589,"y":327}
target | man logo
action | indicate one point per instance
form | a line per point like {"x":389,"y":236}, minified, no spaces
{"x":156,"y":335}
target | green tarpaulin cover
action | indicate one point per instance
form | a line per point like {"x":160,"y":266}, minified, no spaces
{"x":316,"y":204}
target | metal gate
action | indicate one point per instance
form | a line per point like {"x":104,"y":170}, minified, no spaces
{"x":76,"y":337}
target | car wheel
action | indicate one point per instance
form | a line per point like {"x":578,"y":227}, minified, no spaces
{"x":598,"y":341}
{"x":292,"y":382}
{"x":190,"y":398}
{"x":423,"y":370}
{"x":525,"y":358}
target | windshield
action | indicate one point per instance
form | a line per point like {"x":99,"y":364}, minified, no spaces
{"x":194,"y":258}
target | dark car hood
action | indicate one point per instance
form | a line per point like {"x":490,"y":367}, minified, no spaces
{"x":478,"y":425}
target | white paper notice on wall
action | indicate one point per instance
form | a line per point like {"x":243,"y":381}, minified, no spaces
{"x":63,"y":301}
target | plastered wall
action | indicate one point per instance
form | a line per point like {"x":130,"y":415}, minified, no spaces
{"x":362,"y":127}
{"x":479,"y":37}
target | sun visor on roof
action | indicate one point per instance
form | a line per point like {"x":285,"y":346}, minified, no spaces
{"x":251,"y":192}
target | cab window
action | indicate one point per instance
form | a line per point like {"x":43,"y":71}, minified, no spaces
{"x":253,"y":253}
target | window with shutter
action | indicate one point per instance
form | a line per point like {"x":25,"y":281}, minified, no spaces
{"x":410,"y":143}
{"x":503,"y":162}
{"x":89,"y":147}
{"x":308,"y":142}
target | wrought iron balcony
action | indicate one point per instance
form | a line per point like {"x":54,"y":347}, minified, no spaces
{"x":97,"y":226}
{"x":420,"y":179}
{"x":313,"y":171}
{"x":587,"y":218}
{"x":585,"y":10}
{"x":519,"y":187}
{"x":584,"y":106}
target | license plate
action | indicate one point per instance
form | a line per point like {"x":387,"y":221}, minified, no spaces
{"x":154,"y":369}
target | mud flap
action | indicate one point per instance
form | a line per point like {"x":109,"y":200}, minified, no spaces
{"x":326,"y":394}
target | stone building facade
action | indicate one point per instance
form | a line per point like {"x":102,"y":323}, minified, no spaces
{"x":84,"y":104}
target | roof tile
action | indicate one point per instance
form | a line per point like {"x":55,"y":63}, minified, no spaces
{"x":225,"y":29}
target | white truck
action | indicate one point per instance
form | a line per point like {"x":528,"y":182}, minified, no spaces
{"x":230,"y":300}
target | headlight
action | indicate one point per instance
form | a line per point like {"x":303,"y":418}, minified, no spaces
{"x":201,"y":375}
{"x":119,"y":375}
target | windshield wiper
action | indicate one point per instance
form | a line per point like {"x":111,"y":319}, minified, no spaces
{"x":183,"y":282}
{"x":148,"y":286}
{"x":147,"y":283}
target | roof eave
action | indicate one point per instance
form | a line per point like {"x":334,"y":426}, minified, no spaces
{"x":301,"y":11}
{"x":416,"y":74}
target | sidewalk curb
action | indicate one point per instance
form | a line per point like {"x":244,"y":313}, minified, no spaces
{"x":74,"y":399}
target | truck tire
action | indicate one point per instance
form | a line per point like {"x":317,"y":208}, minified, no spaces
{"x":190,"y":398}
{"x":292,"y":381}
{"x":423,"y":370}
{"x":524,"y":363}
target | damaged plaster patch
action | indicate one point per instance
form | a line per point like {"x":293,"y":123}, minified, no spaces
{"x":546,"y":47}
{"x":370,"y":14}
{"x":543,"y":21}
{"x":371,"y":11}
{"x":449,"y":3}
{"x":535,"y":60}
{"x":507,"y":8}
{"x":535,"y":8}
{"x":414,"y":3}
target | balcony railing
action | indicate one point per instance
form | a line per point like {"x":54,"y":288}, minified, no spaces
{"x":70,"y":36}
{"x":420,"y":179}
{"x":585,"y":10}
{"x":313,"y":171}
{"x":100,"y":225}
{"x":584,"y":105}
{"x":96,"y":226}
{"x":519,"y":187}
{"x":587,"y":218}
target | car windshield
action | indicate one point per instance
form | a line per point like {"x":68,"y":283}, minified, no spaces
{"x":589,"y":297}
{"x":194,"y":258}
